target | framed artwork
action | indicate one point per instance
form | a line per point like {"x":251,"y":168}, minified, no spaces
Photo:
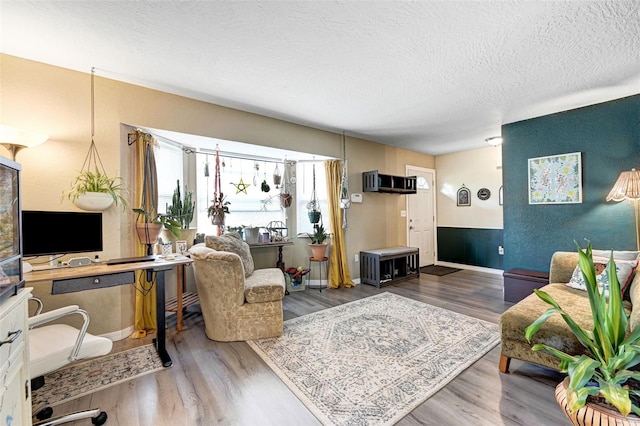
{"x":464,"y":196}
{"x":556,"y":179}
{"x":181,"y":246}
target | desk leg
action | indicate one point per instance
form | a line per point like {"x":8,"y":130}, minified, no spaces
{"x":180,"y":289}
{"x":160,"y":340}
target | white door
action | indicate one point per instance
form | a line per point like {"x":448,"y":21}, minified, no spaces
{"x":421,"y":218}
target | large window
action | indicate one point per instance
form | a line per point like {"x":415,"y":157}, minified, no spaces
{"x":250,"y":206}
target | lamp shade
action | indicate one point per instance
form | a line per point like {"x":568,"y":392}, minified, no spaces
{"x":15,"y":136}
{"x":627,"y":187}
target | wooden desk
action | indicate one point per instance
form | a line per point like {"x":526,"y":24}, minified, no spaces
{"x":67,"y":280}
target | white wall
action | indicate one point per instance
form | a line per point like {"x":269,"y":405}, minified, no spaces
{"x":479,"y":168}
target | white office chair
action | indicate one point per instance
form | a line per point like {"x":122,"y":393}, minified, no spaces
{"x":56,"y":345}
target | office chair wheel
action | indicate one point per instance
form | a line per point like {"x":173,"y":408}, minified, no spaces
{"x":100,"y":419}
{"x":44,"y":414}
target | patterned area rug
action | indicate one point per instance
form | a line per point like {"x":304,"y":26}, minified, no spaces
{"x":85,"y":377}
{"x":372,"y":361}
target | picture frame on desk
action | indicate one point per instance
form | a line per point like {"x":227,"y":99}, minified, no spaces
{"x":181,"y":247}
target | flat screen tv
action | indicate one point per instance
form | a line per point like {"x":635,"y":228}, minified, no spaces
{"x":48,"y":233}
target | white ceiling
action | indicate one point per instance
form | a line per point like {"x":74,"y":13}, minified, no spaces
{"x":431,"y":76}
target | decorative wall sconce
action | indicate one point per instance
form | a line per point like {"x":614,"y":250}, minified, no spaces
{"x":15,"y":139}
{"x":494,"y":141}
{"x":627,"y":187}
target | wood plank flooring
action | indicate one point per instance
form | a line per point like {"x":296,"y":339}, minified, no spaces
{"x":212,"y":383}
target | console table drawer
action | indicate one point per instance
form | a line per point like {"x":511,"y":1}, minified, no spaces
{"x":89,"y":283}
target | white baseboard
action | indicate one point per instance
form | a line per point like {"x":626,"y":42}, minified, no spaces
{"x":471,"y":267}
{"x":114,"y":336}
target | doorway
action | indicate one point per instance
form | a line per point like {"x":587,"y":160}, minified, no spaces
{"x":421,"y":216}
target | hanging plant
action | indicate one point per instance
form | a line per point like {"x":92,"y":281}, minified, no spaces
{"x":313,"y":206}
{"x":265,"y":186}
{"x":218,"y":209}
{"x":93,"y":189}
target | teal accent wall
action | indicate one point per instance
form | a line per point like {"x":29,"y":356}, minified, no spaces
{"x":608,"y":136}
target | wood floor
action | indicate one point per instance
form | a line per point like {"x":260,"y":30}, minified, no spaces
{"x":213,"y":383}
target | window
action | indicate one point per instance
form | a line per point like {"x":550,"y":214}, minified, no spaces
{"x":170,"y":169}
{"x":304,"y":189}
{"x":253,"y":208}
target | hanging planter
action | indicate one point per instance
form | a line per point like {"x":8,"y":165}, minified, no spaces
{"x":93,"y":189}
{"x":148,"y":232}
{"x":314,"y":216}
{"x":285,"y":200}
{"x":93,"y":201}
{"x":314,"y":205}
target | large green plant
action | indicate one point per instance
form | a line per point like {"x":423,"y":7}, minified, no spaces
{"x":96,"y":181}
{"x":182,"y":209}
{"x":612,"y":352}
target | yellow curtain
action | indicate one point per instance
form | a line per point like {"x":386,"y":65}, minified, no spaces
{"x":339,"y":275}
{"x":146,"y":197}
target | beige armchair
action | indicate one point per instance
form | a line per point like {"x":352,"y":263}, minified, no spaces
{"x":235,"y":307}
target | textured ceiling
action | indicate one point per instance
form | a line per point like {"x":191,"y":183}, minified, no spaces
{"x":431,"y":76}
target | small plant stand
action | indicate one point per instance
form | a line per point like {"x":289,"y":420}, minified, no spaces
{"x":320,"y":264}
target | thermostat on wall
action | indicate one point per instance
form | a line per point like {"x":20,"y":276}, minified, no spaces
{"x":356,"y":198}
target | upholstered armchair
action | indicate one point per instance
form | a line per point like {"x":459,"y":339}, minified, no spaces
{"x":237,"y":306}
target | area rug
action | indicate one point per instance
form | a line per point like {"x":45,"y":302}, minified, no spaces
{"x":85,"y":377}
{"x":438,"y":270}
{"x":372,"y":361}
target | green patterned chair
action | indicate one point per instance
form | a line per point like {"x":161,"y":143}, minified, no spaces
{"x":554,"y":332}
{"x":237,"y":306}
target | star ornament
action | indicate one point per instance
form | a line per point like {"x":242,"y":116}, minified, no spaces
{"x":241,"y":186}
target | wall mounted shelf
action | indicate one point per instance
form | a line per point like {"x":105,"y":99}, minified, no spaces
{"x":377,"y":182}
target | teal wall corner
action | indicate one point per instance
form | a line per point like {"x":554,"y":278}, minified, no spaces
{"x":608,"y":136}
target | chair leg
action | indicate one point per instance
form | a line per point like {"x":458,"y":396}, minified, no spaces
{"x":97,"y":416}
{"x":503,"y":365}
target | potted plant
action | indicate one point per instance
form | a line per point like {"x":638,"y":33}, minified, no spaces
{"x":149,"y":230}
{"x":318,"y":244}
{"x":95,"y":191}
{"x":182,"y":210}
{"x":605,"y":372}
{"x":218,"y":209}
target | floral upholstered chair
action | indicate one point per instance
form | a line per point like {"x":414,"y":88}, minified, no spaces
{"x":238,"y":303}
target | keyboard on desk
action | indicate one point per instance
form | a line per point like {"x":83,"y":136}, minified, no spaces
{"x":122,"y":260}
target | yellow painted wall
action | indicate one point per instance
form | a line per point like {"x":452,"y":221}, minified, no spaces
{"x":56,"y":101}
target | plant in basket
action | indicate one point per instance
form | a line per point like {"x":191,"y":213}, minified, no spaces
{"x":605,"y":372}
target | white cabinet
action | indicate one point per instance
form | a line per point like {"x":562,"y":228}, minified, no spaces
{"x":15,"y":387}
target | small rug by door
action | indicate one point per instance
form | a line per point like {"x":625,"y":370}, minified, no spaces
{"x":85,"y":377}
{"x":438,"y":270}
{"x":372,"y":361}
